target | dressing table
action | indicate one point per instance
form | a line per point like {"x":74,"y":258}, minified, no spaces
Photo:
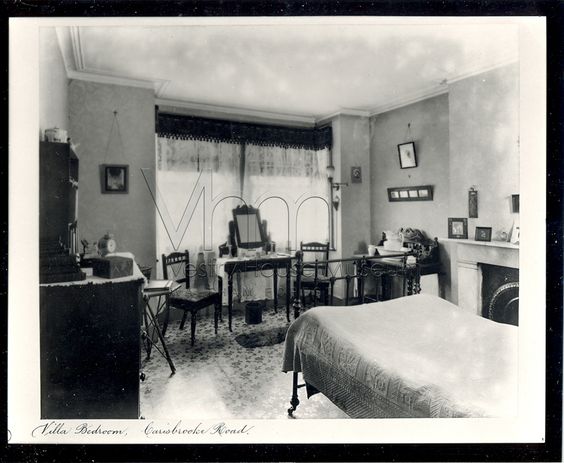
{"x":247,"y":235}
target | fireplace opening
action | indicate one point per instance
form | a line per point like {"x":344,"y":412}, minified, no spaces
{"x":500,"y":294}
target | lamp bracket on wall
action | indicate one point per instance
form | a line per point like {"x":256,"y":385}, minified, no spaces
{"x":336,"y":201}
{"x":337,"y":185}
{"x":330,"y":175}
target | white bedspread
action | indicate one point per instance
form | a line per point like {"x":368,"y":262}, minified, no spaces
{"x":421,"y":345}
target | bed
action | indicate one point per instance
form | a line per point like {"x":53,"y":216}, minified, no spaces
{"x":417,"y":356}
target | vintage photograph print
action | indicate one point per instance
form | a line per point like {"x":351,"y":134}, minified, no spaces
{"x":458,"y":228}
{"x":407,"y":157}
{"x":115,"y":178}
{"x":262,"y":162}
{"x":483,"y":234}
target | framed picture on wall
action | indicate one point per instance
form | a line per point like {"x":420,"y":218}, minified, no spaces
{"x":356,"y":174}
{"x":458,"y":228}
{"x":115,"y":178}
{"x":407,"y":156}
{"x":411,"y":193}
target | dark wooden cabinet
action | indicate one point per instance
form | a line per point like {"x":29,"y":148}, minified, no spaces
{"x":58,"y":185}
{"x":90,"y":353}
{"x":58,"y":196}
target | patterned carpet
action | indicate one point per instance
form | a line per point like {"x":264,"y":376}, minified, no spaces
{"x":218,"y":378}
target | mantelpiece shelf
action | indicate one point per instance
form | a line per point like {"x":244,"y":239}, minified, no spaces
{"x":497,"y":244}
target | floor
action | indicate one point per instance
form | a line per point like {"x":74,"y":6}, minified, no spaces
{"x":218,"y":378}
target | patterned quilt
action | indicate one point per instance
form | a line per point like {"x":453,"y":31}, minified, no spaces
{"x":415,"y":356}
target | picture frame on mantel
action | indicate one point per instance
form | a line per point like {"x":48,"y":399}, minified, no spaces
{"x":458,"y":228}
{"x":483,"y":234}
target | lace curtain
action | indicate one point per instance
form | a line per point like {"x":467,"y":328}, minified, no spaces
{"x":289,"y":186}
{"x":181,"y":164}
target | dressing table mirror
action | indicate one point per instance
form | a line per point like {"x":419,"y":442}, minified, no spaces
{"x":250,"y":232}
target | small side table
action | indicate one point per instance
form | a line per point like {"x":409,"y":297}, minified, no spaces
{"x":152,"y":333}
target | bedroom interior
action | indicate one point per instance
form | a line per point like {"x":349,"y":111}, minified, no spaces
{"x":358,"y":183}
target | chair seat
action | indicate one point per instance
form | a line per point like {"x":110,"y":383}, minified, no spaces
{"x":191,"y":295}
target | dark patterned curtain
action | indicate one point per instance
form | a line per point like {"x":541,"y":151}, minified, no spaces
{"x":215,"y":130}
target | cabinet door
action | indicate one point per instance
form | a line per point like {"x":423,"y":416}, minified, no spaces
{"x":54,"y":192}
{"x":90,"y":350}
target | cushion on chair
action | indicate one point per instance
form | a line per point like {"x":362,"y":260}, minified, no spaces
{"x":191,"y":295}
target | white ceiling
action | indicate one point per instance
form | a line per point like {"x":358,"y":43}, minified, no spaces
{"x":302,"y":71}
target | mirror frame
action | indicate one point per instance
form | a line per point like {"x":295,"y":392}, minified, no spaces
{"x":247,"y":210}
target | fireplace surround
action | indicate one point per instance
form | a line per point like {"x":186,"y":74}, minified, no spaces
{"x":500,"y":293}
{"x":475,"y":256}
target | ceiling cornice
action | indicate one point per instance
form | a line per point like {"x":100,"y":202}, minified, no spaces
{"x":77,"y":48}
{"x":113,"y":80}
{"x":66,"y":47}
{"x":235,"y":112}
{"x":438,"y":89}
{"x":481,"y":69}
{"x":342,"y":112}
{"x":405,"y":100}
{"x":70,"y":44}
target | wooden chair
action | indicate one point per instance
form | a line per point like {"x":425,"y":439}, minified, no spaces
{"x":315,"y":275}
{"x":186,"y":299}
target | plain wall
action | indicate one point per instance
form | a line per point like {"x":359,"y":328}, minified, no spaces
{"x":467,"y":137}
{"x":351,"y":148}
{"x":130,"y":217}
{"x":354,"y":144}
{"x":429,"y":129}
{"x":53,"y":83}
{"x":484,"y":147}
{"x":484,"y":151}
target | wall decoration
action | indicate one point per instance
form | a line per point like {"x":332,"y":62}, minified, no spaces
{"x":115,"y":178}
{"x":515,"y":204}
{"x":483,"y":234}
{"x":407,"y":155}
{"x":356,"y":175}
{"x":473,"y":203}
{"x":458,"y":228}
{"x":411,"y":193}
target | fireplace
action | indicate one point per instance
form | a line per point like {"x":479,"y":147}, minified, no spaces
{"x":500,"y":293}
{"x":485,"y":270}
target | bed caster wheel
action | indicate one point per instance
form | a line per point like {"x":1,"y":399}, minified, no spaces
{"x":142,"y":376}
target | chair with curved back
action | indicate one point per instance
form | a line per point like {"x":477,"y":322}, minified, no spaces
{"x":315,"y":271}
{"x":187,"y":299}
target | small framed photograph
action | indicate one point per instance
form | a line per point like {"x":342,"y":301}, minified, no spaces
{"x":115,"y":178}
{"x":458,"y":228}
{"x":404,"y":194}
{"x":407,"y":156}
{"x":394,"y":194}
{"x":483,"y":234}
{"x":424,"y":193}
{"x":356,"y":174}
{"x":413,"y":194}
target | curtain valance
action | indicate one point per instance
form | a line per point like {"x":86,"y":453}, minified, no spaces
{"x":216,"y":130}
